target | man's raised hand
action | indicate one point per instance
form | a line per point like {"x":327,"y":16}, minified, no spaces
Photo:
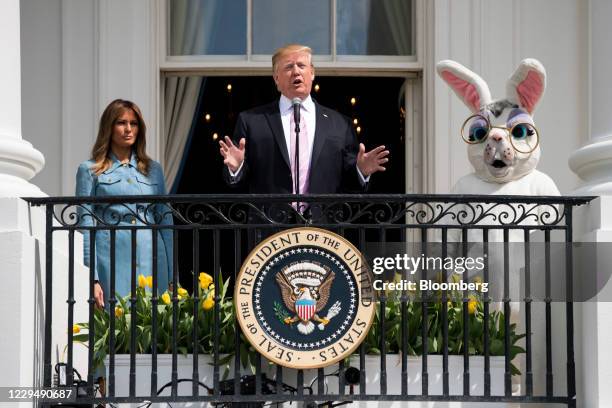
{"x":372,"y":161}
{"x":232,"y":155}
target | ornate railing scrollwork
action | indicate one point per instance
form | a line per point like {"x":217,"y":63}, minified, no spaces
{"x":438,"y":210}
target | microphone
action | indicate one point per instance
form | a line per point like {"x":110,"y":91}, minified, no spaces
{"x":297,"y":104}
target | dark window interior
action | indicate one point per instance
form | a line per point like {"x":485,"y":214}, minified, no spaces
{"x":378,"y":109}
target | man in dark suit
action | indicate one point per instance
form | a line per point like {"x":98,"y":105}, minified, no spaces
{"x":263,"y":156}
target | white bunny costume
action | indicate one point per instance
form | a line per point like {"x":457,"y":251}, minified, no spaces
{"x":503,"y":147}
{"x":499,"y":166}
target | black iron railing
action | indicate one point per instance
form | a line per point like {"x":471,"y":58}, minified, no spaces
{"x":220,"y":230}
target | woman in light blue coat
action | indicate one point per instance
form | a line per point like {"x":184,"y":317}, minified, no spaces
{"x":119,"y":166}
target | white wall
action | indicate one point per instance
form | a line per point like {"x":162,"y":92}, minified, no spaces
{"x":58,"y":115}
{"x":79,"y":86}
{"x":491,"y":37}
{"x":41,"y":86}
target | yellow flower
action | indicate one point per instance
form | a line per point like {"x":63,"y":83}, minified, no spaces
{"x":472,"y":303}
{"x":205,"y":280}
{"x":118,"y":311}
{"x":76,"y":329}
{"x":165,"y":298}
{"x":149,"y":281}
{"x":142,"y":281}
{"x":182,"y":293}
{"x":208,"y":303}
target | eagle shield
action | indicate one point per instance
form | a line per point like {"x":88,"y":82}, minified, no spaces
{"x":305,"y":308}
{"x":305,"y":288}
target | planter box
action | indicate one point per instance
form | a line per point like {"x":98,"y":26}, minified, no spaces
{"x":164,"y":374}
{"x":372,"y":367}
{"x":434,"y":369}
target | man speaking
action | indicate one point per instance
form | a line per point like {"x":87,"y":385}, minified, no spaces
{"x":295,"y":145}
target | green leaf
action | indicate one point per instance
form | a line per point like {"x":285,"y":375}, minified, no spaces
{"x":496,"y":347}
{"x":81,"y":338}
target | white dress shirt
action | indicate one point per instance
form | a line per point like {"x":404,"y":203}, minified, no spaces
{"x":307,"y":111}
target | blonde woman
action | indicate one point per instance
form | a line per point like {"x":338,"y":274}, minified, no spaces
{"x":119,"y":166}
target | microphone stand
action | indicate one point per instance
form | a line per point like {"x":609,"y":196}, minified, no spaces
{"x":296,"y":116}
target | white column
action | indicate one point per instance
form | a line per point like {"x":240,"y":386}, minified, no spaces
{"x":593,"y":162}
{"x":593,"y":352}
{"x":19,"y":161}
{"x":20,"y":254}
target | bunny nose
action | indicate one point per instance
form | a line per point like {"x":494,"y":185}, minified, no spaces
{"x":497,"y":135}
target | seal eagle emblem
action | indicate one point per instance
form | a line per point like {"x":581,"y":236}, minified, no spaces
{"x":304,"y":298}
{"x":305,"y":288}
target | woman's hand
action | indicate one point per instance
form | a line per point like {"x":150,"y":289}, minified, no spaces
{"x":99,"y":295}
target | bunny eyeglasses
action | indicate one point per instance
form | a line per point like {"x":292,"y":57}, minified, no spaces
{"x":524,"y":137}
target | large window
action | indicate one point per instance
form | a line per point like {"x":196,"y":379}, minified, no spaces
{"x":362,"y":48}
{"x":334,"y":28}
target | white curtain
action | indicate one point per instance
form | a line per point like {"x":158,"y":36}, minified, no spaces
{"x":181,"y":99}
{"x":192,"y":21}
{"x":400,"y":27}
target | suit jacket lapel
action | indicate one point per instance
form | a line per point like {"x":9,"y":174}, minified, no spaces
{"x":274,"y":120}
{"x":321,"y":129}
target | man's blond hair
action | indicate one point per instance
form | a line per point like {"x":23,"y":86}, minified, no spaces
{"x":290,"y":49}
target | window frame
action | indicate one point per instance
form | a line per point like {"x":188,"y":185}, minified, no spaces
{"x":409,"y":67}
{"x":261,"y":62}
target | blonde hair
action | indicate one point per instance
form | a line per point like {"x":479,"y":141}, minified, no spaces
{"x":100,"y":153}
{"x":290,"y":49}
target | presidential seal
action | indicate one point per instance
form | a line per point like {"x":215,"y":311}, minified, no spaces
{"x":304,"y":298}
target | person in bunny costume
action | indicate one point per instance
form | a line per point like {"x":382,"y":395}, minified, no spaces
{"x":503,"y":146}
{"x":503,"y":141}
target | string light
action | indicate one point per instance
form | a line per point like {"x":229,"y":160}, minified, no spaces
{"x":355,"y":121}
{"x":229,"y":87}
{"x":207,"y":117}
{"x":215,"y":136}
{"x":353,"y":101}
{"x":317,"y":87}
{"x":358,"y":129}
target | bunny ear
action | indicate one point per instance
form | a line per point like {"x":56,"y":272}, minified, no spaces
{"x":468,"y":86}
{"x":526,"y":86}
